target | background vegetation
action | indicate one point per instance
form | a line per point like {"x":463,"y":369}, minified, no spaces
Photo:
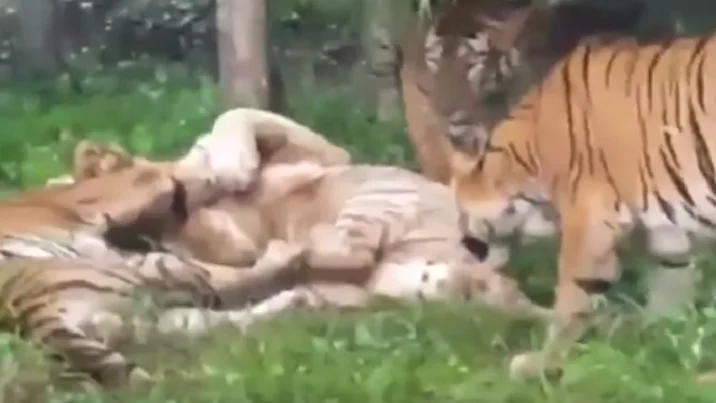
{"x":431,"y":353}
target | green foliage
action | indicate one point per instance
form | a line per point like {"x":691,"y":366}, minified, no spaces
{"x":431,"y":353}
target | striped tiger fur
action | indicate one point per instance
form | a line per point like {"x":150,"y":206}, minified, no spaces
{"x":404,"y":235}
{"x":615,"y":137}
{"x":81,"y":309}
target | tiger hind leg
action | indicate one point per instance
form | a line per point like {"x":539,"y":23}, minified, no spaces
{"x":588,"y":266}
{"x":69,"y":338}
{"x":671,"y":286}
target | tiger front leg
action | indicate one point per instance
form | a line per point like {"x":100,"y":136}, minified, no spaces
{"x":198,"y":321}
{"x":588,"y":266}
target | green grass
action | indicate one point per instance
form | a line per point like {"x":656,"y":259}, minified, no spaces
{"x":397,"y":354}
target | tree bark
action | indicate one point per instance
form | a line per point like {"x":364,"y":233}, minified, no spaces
{"x":382,"y":20}
{"x":431,"y":147}
{"x":36,"y":37}
{"x":241,"y":41}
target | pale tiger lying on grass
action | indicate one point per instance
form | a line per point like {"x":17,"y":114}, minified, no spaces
{"x":401,"y":235}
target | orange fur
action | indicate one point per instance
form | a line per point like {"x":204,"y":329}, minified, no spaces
{"x":141,"y":195}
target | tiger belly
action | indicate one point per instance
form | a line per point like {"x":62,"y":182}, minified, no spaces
{"x":673,"y":225}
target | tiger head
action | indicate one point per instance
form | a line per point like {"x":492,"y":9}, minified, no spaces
{"x":495,"y":170}
{"x":481,"y":72}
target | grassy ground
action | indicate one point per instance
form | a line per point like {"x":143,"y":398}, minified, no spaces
{"x":395,"y":354}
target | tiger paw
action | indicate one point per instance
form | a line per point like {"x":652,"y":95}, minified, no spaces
{"x":526,"y":365}
{"x":533,"y":364}
{"x":203,"y":186}
{"x":233,"y":159}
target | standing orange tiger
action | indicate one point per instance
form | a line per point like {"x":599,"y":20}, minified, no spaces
{"x":616,"y":136}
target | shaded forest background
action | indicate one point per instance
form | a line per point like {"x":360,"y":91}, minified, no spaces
{"x":152,"y":74}
{"x":310,"y":44}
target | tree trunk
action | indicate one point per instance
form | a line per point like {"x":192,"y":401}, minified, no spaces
{"x":382,"y":20}
{"x":241,"y":41}
{"x":430,"y":144}
{"x":36,"y":37}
